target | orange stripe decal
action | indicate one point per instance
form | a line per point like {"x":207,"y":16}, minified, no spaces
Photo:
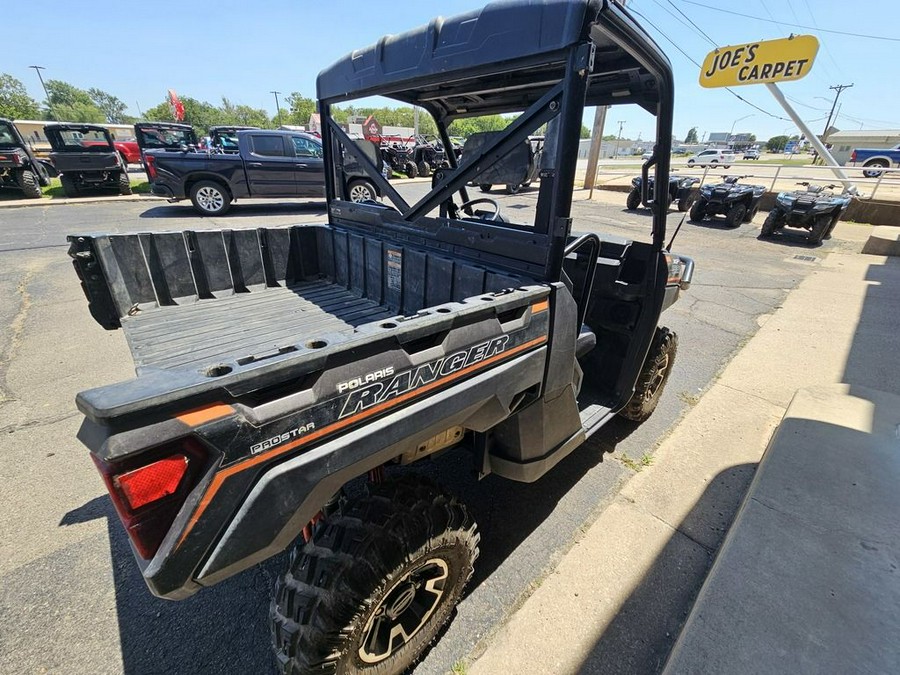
{"x":541,"y":306}
{"x":220,"y":477}
{"x":208,"y":413}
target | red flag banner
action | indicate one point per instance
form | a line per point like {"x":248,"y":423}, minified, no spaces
{"x":176,"y":105}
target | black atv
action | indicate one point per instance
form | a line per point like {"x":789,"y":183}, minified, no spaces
{"x":86,"y":159}
{"x":681,"y":191}
{"x":399,"y":159}
{"x":815,"y":209}
{"x":738,"y":203}
{"x":428,"y":156}
{"x":19,"y":168}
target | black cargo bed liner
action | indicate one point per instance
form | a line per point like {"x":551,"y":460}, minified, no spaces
{"x":245,"y":325}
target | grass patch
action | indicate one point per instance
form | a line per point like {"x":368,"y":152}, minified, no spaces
{"x":459,"y":668}
{"x":690,"y":399}
{"x":54,"y":190}
{"x":637,"y":465}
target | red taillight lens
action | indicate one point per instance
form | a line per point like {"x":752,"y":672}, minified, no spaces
{"x":853,"y":156}
{"x":149,"y":490}
{"x":152,"y":482}
{"x":151,"y":166}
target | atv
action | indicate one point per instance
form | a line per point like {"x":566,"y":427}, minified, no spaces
{"x":681,"y":190}
{"x":19,"y":168}
{"x":739,"y":203}
{"x":399,"y":159}
{"x":815,"y":209}
{"x":86,"y":159}
{"x":286,"y":374}
{"x":428,"y":156}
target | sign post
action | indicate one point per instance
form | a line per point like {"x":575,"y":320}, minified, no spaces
{"x":768,"y":62}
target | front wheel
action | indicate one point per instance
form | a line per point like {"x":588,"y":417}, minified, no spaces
{"x":686,"y":202}
{"x":424,"y":169}
{"x":735,"y":215}
{"x":376,"y":583}
{"x":210,"y":198}
{"x":513,"y":188}
{"x":124,"y":184}
{"x":698,"y":211}
{"x":410,"y":170}
{"x":774,"y":221}
{"x":751,"y":214}
{"x":485,"y":187}
{"x":634,"y":199}
{"x":361,"y":191}
{"x":653,"y":377}
{"x":30,"y":184}
{"x":819,"y":229}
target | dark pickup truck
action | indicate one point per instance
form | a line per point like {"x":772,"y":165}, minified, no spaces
{"x":284,"y":375}
{"x":267,"y":164}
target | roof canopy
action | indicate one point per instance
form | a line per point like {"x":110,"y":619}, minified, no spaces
{"x":502,"y":58}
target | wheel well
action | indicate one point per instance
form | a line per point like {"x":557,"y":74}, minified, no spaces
{"x":880,"y":160}
{"x":193,"y":180}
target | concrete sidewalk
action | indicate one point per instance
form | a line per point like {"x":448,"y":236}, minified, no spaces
{"x":619,"y":597}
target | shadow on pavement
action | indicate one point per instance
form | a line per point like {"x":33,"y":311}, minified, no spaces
{"x":639,"y":638}
{"x":238,"y":210}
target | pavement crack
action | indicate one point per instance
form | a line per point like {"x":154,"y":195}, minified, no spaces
{"x":42,"y":422}
{"x":710,"y":550}
{"x":756,"y":396}
{"x":816,"y":527}
{"x":17,"y":328}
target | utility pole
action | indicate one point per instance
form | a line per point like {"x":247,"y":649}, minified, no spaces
{"x":277,"y":106}
{"x":838,"y":88}
{"x":618,"y":138}
{"x":38,"y":70}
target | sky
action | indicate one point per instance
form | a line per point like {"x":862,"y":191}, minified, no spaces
{"x":243,"y":51}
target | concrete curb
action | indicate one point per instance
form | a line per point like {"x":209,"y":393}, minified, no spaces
{"x":883,"y":241}
{"x":60,"y":201}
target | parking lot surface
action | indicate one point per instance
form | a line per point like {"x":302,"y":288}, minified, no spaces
{"x":71,"y":596}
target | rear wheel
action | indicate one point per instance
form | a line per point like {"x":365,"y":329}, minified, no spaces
{"x":698,"y":211}
{"x":485,"y":187}
{"x":361,"y":191}
{"x":735,"y":215}
{"x":834,"y":221}
{"x":634,"y":199}
{"x":512,"y":189}
{"x":30,"y":183}
{"x":751,"y":214}
{"x":774,"y":221}
{"x":424,"y":169}
{"x":376,"y":583}
{"x":685,"y":202}
{"x":124,"y":183}
{"x":819,"y":229}
{"x":210,"y":198}
{"x":410,"y":170}
{"x":653,"y":377}
{"x":871,"y":170}
{"x":70,"y":188}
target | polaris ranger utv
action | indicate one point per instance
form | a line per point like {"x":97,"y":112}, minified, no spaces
{"x":277,"y":365}
{"x":19,"y":168}
{"x":91,"y":165}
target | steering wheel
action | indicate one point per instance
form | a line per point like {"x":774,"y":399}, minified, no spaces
{"x":483,"y":200}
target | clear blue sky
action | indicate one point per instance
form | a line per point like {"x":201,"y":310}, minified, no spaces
{"x":243,"y":50}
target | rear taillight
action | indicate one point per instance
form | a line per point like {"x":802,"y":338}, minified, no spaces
{"x":151,"y":167}
{"x":149,"y":490}
{"x":853,"y":156}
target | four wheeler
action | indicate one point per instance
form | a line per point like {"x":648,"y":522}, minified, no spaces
{"x":399,"y":159}
{"x":428,"y":156}
{"x":680,"y":191}
{"x":86,"y":159}
{"x":739,"y":203}
{"x":19,"y":168}
{"x":284,"y":374}
{"x":815,"y":209}
{"x":517,"y":170}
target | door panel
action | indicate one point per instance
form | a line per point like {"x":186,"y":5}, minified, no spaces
{"x":270,"y":168}
{"x":309,"y":167}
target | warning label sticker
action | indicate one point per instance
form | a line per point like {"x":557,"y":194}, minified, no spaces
{"x":394,"y":269}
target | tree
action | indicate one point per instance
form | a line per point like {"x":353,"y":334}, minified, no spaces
{"x":691,"y":137}
{"x":15,"y":103}
{"x":301,"y":107}
{"x":585,"y":132}
{"x":776,"y":143}
{"x":243,"y":115}
{"x":68,"y":103}
{"x":199,"y":114}
{"x":472,"y":125}
{"x":112,"y":107}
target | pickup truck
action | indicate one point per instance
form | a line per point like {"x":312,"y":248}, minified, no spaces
{"x":292,"y":382}
{"x":875,"y":159}
{"x":267,"y":164}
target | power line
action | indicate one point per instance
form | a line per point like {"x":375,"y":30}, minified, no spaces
{"x":795,"y":25}
{"x":702,"y":32}
{"x":692,"y":60}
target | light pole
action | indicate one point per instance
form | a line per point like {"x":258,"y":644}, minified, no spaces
{"x":38,"y":70}
{"x":730,"y":133}
{"x":618,"y":138}
{"x":277,"y":106}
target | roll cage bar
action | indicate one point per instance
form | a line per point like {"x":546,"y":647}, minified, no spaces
{"x":547,"y":59}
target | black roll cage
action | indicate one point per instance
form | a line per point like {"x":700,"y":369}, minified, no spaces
{"x":610,"y":61}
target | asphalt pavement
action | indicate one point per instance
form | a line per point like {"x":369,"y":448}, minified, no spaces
{"x":71,"y":596}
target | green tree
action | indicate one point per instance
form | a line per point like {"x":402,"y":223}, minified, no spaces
{"x":301,"y":107}
{"x":199,"y":114}
{"x":112,"y":107}
{"x":68,"y":103}
{"x":691,"y":137}
{"x":776,"y":143}
{"x":244,"y":115}
{"x":470,"y":125}
{"x":15,"y":103}
{"x":585,"y":132}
